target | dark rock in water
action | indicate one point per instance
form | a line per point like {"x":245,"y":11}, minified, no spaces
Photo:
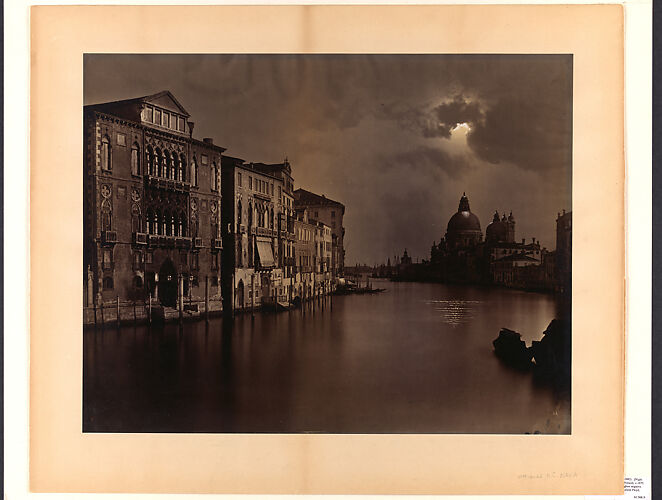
{"x":552,"y":354}
{"x":510,"y":347}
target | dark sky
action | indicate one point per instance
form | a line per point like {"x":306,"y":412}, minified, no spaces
{"x":396,"y":138}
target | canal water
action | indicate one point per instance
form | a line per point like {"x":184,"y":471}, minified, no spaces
{"x":417,"y":358}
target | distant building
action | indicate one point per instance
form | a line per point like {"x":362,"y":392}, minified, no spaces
{"x":564,"y":251}
{"x":462,"y":256}
{"x":500,"y":230}
{"x":331,"y":213}
{"x":463,"y":230}
{"x":312,"y":256}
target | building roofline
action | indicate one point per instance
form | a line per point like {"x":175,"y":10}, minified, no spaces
{"x":323,"y":200}
{"x":143,"y":99}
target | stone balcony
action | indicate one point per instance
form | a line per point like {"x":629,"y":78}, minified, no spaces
{"x":109,"y":237}
{"x":140,"y":238}
{"x":167,"y":184}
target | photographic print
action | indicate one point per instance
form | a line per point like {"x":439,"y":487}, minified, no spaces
{"x":327,"y":243}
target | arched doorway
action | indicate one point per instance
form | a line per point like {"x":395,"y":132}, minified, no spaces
{"x":239,"y":295}
{"x":168,"y":284}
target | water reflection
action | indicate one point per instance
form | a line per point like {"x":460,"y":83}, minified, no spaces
{"x":370,"y":363}
{"x":455,"y":312}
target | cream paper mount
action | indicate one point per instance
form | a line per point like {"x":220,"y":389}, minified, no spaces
{"x":63,"y":459}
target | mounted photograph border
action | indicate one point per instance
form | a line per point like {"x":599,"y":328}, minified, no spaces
{"x":590,"y":460}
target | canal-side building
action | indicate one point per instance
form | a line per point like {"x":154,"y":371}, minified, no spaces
{"x":324,"y":250}
{"x":313,"y":251}
{"x":151,"y":207}
{"x":331,"y":213}
{"x":258,"y":225}
{"x":564,"y":251}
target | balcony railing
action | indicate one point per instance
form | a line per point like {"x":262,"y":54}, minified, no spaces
{"x":262,"y":231}
{"x":140,"y":238}
{"x":169,"y":184}
{"x":182,"y":242}
{"x":161,"y":240}
{"x":109,"y":236}
{"x":217,"y":244}
{"x":197,"y":242}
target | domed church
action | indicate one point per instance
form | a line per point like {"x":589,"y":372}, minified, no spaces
{"x":501,"y":230}
{"x":463,"y":227}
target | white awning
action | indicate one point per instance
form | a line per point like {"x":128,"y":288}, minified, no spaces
{"x":265,"y":253}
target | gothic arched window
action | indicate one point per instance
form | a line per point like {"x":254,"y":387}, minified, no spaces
{"x":194,"y":226}
{"x":194,"y":172}
{"x":150,"y":221}
{"x":135,"y":159}
{"x":214,"y":177}
{"x":175,"y":224}
{"x":106,"y":217}
{"x":106,"y":161}
{"x":271,"y":219}
{"x":175,"y":166}
{"x":158,"y":223}
{"x":182,"y":224}
{"x":136,"y":223}
{"x":150,"y":160}
{"x":167,"y":164}
{"x":182,"y":168}
{"x":158,"y":163}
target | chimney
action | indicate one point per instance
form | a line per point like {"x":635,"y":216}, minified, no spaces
{"x":522,"y":241}
{"x":208,"y":140}
{"x":190,"y":128}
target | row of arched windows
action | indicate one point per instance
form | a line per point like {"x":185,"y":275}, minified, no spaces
{"x":166,"y":222}
{"x":264,"y":217}
{"x":166,"y":165}
{"x":159,"y":164}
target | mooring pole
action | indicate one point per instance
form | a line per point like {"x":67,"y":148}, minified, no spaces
{"x":150,"y":309}
{"x":118,"y":311}
{"x":207,"y":297}
{"x":180,"y":293}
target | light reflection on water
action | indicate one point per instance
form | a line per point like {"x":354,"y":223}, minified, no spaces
{"x":455,"y":312}
{"x":417,"y":358}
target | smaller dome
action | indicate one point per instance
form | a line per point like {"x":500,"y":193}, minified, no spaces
{"x":496,"y":231}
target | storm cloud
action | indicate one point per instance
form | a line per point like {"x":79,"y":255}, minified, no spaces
{"x":380,"y":132}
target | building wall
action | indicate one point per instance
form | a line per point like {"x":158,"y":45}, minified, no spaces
{"x":120,"y":259}
{"x":332,"y":216}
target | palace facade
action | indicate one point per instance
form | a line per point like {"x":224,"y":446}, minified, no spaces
{"x":172,"y":224}
{"x":151,"y":205}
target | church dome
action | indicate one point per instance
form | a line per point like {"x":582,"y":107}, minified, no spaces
{"x":463,"y":227}
{"x":496,"y":230}
{"x":463,"y":221}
